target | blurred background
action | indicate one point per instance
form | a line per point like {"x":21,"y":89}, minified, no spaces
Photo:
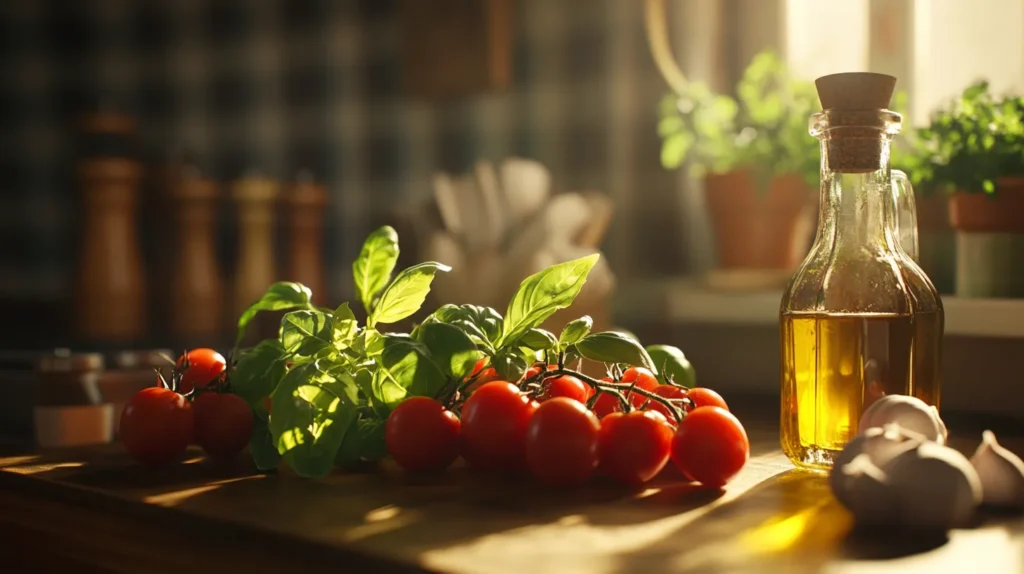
{"x":162,"y":162}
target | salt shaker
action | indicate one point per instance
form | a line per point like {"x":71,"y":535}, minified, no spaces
{"x":254,"y":197}
{"x":306,"y":201}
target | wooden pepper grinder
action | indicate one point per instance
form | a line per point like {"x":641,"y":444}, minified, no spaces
{"x":109,"y":297}
{"x":255,"y":197}
{"x":306,"y":201}
{"x":196,"y":293}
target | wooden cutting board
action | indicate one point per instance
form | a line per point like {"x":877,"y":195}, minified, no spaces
{"x":97,"y":510}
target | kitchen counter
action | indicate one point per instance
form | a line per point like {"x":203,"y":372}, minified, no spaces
{"x":96,"y":510}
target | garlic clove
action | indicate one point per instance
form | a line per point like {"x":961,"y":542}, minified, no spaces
{"x":935,"y":487}
{"x":879,"y":444}
{"x":1001,"y":473}
{"x":869,"y":497}
{"x":909,"y":412}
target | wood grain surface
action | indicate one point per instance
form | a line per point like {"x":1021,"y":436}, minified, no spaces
{"x":95,"y":510}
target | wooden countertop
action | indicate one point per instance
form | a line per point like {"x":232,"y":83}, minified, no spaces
{"x":96,"y":510}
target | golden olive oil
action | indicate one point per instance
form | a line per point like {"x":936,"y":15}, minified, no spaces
{"x":835,"y":365}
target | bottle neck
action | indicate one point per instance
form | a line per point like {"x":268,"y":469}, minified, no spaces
{"x":856,"y":207}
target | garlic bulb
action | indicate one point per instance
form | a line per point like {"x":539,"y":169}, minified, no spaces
{"x":868,"y":496}
{"x":1001,"y":473}
{"x":879,"y":445}
{"x":911,"y":413}
{"x":935,"y":487}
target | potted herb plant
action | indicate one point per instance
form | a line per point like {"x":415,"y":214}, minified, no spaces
{"x":758,"y":162}
{"x":976,"y":147}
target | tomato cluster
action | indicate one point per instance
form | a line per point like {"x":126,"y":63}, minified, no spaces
{"x":549,"y":431}
{"x":159,"y":423}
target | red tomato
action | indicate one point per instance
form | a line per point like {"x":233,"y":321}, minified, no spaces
{"x":634,"y":447}
{"x":223,"y":423}
{"x":606,"y":403}
{"x":643,"y":379}
{"x":710,"y":446}
{"x":156,"y":426}
{"x":561,"y":442}
{"x":486,"y":375}
{"x":704,"y":397}
{"x":204,"y":366}
{"x":494,"y":421}
{"x":565,"y":386}
{"x":535,"y":370}
{"x":422,"y":435}
{"x":669,"y":392}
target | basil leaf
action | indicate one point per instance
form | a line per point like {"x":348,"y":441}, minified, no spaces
{"x":309,"y":419}
{"x":487,"y":319}
{"x":281,"y":296}
{"x":404,"y":369}
{"x":306,"y":332}
{"x":345,"y":326}
{"x":405,"y":295}
{"x":481,"y":324}
{"x":538,"y":340}
{"x":574,"y":331}
{"x":372,"y":269}
{"x":672,"y":364}
{"x":543,"y":293}
{"x":450,"y":348}
{"x":258,"y":371}
{"x":371,"y":439}
{"x":261,"y":446}
{"x":509,"y":365}
{"x":348,"y":452}
{"x":612,"y":347}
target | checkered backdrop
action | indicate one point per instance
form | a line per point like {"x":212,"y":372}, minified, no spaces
{"x":280,"y":86}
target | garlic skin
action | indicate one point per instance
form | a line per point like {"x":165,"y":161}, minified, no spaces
{"x":1001,"y":473}
{"x":879,"y":445}
{"x":934,"y":486}
{"x":909,"y":412}
{"x":868,"y":495}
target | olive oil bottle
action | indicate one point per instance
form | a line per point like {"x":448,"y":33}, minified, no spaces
{"x":860,"y":319}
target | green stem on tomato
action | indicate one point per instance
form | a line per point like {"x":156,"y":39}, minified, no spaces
{"x":619,"y":389}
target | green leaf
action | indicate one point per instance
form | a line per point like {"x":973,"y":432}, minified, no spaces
{"x":672,"y":363}
{"x":574,"y":331}
{"x":612,"y":347}
{"x":405,"y":295}
{"x":543,"y":293}
{"x":262,"y":448}
{"x":371,"y":439}
{"x":306,"y":332}
{"x":258,"y":371}
{"x":405,"y":370}
{"x":281,"y":296}
{"x":345,"y":326}
{"x":309,"y":419}
{"x":348,"y":452}
{"x":450,"y":348}
{"x":538,"y":340}
{"x":482,"y":324}
{"x":674,"y":149}
{"x":372,"y":269}
{"x":510,"y":365}
{"x":669,"y":125}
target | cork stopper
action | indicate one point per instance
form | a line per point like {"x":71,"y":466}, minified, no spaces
{"x":855,"y":91}
{"x":855,"y":105}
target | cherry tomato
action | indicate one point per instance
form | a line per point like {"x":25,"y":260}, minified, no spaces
{"x":643,"y":379}
{"x":422,"y":435}
{"x":565,"y":386}
{"x":494,"y":421}
{"x":223,"y":423}
{"x":704,"y":397}
{"x":156,"y":426}
{"x":634,"y":447}
{"x":204,"y":366}
{"x":561,"y":442}
{"x":669,"y":392}
{"x":535,"y":370}
{"x":486,"y":375}
{"x":710,"y":446}
{"x":606,"y":403}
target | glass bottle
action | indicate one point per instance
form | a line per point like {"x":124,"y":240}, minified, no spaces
{"x":860,"y":319}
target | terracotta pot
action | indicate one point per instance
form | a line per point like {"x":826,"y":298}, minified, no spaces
{"x":759,"y":229}
{"x":1002,"y":212}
